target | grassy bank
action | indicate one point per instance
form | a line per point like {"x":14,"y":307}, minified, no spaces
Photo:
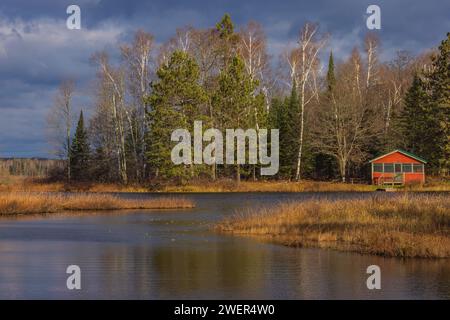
{"x":267,"y":186}
{"x":32,"y":203}
{"x":12,"y":184}
{"x":403,"y":226}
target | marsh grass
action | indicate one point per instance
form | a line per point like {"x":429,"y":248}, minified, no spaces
{"x":267,"y":186}
{"x":33,"y":203}
{"x":401,"y":226}
{"x":24,"y":184}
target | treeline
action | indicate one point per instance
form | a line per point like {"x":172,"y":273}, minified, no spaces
{"x":331,"y":118}
{"x":30,"y":167}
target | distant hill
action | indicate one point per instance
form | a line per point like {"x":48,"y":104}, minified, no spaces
{"x":30,"y":167}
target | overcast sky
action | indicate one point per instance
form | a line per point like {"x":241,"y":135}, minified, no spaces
{"x":37,"y":51}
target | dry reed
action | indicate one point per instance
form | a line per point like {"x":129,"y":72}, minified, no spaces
{"x":32,"y":203}
{"x":10,"y":184}
{"x":402,"y":226}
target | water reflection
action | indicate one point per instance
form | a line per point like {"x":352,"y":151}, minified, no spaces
{"x":171,"y":254}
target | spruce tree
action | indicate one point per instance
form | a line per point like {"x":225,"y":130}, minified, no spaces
{"x":331,"y":78}
{"x":79,"y":152}
{"x":417,"y":123}
{"x":291,"y":132}
{"x":440,"y":100}
{"x":424,"y":121}
{"x":324,"y":165}
{"x":279,"y":119}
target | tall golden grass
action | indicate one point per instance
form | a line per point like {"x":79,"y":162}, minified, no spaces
{"x":10,"y":184}
{"x":267,"y":186}
{"x":402,"y":226}
{"x":225,"y":185}
{"x":27,"y":184}
{"x":32,"y":203}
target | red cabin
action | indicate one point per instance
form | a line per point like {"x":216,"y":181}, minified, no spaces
{"x":398,"y":167}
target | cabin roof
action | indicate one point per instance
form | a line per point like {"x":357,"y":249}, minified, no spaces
{"x":406,"y":153}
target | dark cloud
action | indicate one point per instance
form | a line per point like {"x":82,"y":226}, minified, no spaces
{"x":37,"y":51}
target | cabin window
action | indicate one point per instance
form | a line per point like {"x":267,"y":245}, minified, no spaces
{"x":377,"y":167}
{"x":407,"y":167}
{"x":388,"y":167}
{"x":398,"y":167}
{"x":417,"y":168}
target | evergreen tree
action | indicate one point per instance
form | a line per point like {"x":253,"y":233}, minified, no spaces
{"x":79,"y":152}
{"x":228,"y":39}
{"x":278,"y":119}
{"x":417,"y":123}
{"x":225,"y":26}
{"x":234,"y":100}
{"x":288,"y":113}
{"x":440,"y":100}
{"x":324,"y":164}
{"x":175,"y":103}
{"x":331,"y":78}
{"x":424,"y":121}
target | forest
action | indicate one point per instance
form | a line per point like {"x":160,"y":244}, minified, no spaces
{"x":34,"y":167}
{"x":333,"y":115}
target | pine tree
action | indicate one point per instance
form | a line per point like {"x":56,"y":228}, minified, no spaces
{"x":440,"y":100}
{"x":175,"y":102}
{"x":416,"y":122}
{"x":228,"y":39}
{"x":424,"y":121}
{"x":79,"y":152}
{"x":234,"y":100}
{"x":225,"y":26}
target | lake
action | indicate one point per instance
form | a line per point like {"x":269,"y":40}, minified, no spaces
{"x":173,"y":254}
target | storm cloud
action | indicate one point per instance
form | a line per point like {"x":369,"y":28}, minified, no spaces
{"x":37,"y":51}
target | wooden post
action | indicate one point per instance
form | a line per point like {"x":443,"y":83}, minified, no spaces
{"x":423,"y":173}
{"x":371,"y":177}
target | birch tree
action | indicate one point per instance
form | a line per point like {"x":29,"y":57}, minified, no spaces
{"x":137,"y":57}
{"x":60,"y":120}
{"x":181,"y":41}
{"x":253,"y":51}
{"x":345,"y":122}
{"x":309,"y":44}
{"x":252,"y":48}
{"x":114,"y":80}
{"x":371,"y":43}
{"x":396,"y":77}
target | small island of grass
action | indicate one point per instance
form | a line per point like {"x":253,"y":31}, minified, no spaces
{"x":36,"y":203}
{"x":404,"y":226}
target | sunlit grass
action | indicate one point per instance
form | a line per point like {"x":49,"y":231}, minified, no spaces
{"x":268,"y":186}
{"x":10,"y":184}
{"x":402,"y":226}
{"x":32,"y":203}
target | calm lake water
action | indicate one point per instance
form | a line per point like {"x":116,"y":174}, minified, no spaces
{"x":174,"y":255}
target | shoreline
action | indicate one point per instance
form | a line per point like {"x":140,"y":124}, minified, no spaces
{"x":21,"y":184}
{"x":406,"y":227}
{"x":16,"y":203}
